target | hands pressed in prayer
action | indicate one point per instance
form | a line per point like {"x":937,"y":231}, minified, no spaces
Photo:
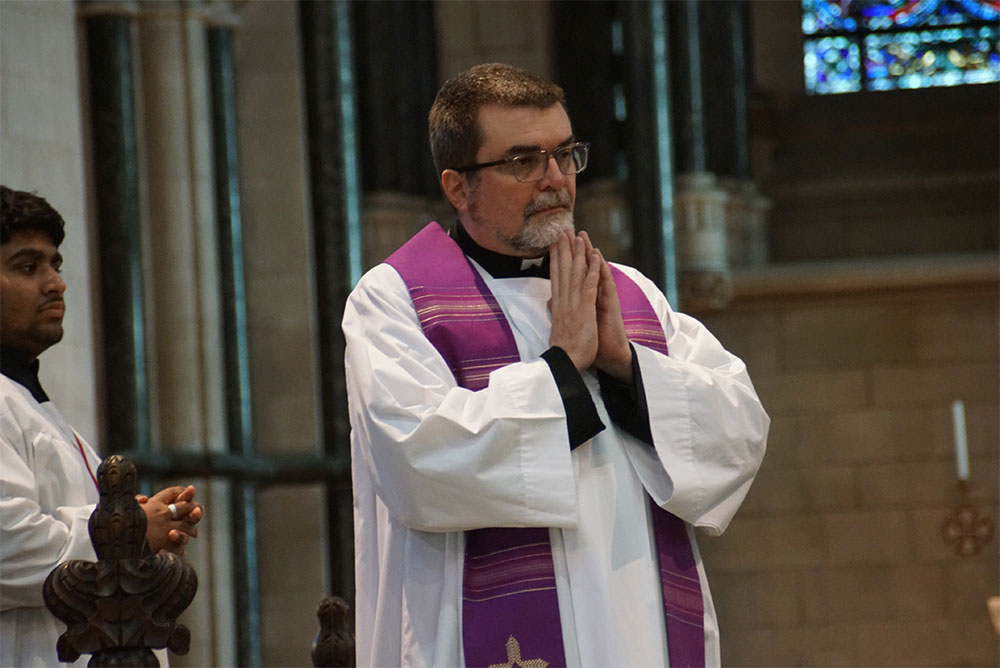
{"x":168,"y":529}
{"x":573,"y":306}
{"x":586,"y":314}
{"x":614,"y":354}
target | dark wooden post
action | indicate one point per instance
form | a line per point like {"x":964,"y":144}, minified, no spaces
{"x":125,"y":604}
{"x":334,"y":644}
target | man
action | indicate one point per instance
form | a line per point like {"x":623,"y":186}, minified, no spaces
{"x":530,"y":454}
{"x":47,"y":485}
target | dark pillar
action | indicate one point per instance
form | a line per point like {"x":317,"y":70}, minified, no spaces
{"x":236,"y":351}
{"x":648,"y":141}
{"x":726,"y":79}
{"x":688,"y":93}
{"x":395,"y":89}
{"x":737,"y":19}
{"x":327,"y":56}
{"x":116,"y":182}
{"x":588,"y":45}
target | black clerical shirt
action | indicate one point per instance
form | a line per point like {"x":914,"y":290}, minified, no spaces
{"x":19,"y":368}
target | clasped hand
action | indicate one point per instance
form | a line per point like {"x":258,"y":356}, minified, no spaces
{"x":586,"y":314}
{"x":171,"y":530}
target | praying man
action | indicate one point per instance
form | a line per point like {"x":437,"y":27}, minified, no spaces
{"x":535,"y":431}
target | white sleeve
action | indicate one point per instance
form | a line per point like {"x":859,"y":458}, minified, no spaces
{"x":708,"y":425}
{"x":33,"y":542}
{"x":443,"y":458}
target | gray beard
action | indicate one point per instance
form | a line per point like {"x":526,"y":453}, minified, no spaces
{"x":537,"y":235}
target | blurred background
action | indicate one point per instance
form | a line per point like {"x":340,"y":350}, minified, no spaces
{"x":817,"y":181}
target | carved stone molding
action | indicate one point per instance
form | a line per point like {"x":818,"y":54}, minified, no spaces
{"x":700,"y":221}
{"x":705,"y":290}
{"x":746,"y":224}
{"x":701,"y":213}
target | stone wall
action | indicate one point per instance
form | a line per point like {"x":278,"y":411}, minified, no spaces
{"x":42,"y":150}
{"x":291,"y":527}
{"x":906,"y":172}
{"x":837,"y":557}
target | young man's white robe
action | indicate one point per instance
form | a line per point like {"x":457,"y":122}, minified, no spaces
{"x":46,"y":499}
{"x":431,"y":460}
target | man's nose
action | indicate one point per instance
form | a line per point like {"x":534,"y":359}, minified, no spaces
{"x":54,"y":283}
{"x":553,"y":178}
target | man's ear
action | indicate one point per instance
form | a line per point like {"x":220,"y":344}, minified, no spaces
{"x":456,"y":189}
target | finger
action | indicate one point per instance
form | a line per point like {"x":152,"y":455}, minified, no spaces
{"x":593,"y":272}
{"x":141,"y":498}
{"x":184,"y":529}
{"x":187,"y":530}
{"x":168,"y":494}
{"x":190,"y":511}
{"x":555,"y":266}
{"x":579,"y":271}
{"x":561,"y":270}
{"x":186,"y":495}
{"x":179,"y":537}
{"x":607,"y":278}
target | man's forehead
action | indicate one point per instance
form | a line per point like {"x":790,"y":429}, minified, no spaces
{"x":503,"y":126}
{"x":28,"y":242}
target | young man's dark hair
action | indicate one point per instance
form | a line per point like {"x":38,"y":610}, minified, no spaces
{"x":26,"y":212}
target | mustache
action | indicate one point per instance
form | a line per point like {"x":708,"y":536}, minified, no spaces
{"x":547,"y":200}
{"x":49,"y":302}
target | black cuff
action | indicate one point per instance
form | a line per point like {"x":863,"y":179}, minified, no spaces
{"x":582,"y":420}
{"x":626,"y":403}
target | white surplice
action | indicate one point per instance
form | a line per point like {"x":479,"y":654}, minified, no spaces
{"x":46,"y":499}
{"x":431,"y":460}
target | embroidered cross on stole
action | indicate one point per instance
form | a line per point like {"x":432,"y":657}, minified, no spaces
{"x":509,"y":588}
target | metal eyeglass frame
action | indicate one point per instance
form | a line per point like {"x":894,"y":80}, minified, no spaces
{"x":513,"y":161}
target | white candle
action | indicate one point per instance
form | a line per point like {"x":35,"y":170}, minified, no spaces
{"x":961,"y":446}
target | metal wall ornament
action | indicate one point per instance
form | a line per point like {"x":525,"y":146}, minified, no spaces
{"x":125,"y":604}
{"x":967,"y":530}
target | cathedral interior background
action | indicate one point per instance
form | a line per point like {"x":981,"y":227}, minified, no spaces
{"x":817,"y":181}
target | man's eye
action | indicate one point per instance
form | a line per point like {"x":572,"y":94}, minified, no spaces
{"x":529,"y":160}
{"x":28,"y":268}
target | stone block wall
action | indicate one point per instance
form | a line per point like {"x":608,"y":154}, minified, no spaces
{"x":42,"y":150}
{"x":292,"y":550}
{"x":837,"y":557}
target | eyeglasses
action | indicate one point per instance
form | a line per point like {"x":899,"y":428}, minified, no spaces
{"x":532,"y":165}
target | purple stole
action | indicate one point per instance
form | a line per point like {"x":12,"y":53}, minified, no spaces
{"x":509,"y":603}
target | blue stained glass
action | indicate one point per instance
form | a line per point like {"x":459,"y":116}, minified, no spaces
{"x":930,"y":58}
{"x":821,"y":16}
{"x":890,"y":44}
{"x":826,"y":15}
{"x":987,"y":11}
{"x":833,"y":65}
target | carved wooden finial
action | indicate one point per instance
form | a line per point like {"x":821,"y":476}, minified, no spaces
{"x":125,"y":604}
{"x":334,"y":644}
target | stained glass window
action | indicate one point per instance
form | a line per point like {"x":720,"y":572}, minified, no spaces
{"x":854,"y":45}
